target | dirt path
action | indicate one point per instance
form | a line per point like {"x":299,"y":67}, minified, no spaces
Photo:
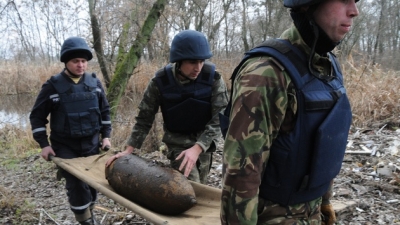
{"x":31,"y":194}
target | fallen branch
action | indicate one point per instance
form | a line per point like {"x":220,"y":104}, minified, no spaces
{"x":42,"y":210}
{"x":365,"y":148}
{"x":40,"y":217}
{"x":380,"y":130}
{"x":350,"y":144}
{"x":108,"y":210}
{"x":104,"y":218}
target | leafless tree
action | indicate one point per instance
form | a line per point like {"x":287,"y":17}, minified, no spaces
{"x":35,"y":29}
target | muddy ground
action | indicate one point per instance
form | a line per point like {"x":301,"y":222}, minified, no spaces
{"x":368,"y":184}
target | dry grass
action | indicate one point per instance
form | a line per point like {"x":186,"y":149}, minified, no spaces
{"x":17,"y":142}
{"x":373,"y":94}
{"x":17,"y":77}
{"x":16,"y":204}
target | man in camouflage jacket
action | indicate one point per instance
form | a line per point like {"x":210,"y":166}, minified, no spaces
{"x":189,"y":151}
{"x":265,"y":105}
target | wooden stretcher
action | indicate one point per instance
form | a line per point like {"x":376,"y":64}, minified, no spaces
{"x":92,"y":171}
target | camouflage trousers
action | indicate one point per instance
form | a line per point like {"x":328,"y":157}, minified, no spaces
{"x":300,"y":214}
{"x":200,"y":172}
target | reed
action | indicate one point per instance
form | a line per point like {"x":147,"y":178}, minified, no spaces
{"x":373,"y":94}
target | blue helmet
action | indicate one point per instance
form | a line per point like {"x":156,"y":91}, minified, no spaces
{"x":189,"y":44}
{"x":75,"y":47}
{"x":300,"y":3}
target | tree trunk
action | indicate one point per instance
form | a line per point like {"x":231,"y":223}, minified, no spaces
{"x":124,"y":71}
{"x":97,"y":43}
{"x":244,"y":27}
{"x":378,"y":34}
{"x":217,"y":26}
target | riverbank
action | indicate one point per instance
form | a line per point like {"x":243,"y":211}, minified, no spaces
{"x":31,"y":194}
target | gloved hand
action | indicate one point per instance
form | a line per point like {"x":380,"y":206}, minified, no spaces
{"x":328,"y":214}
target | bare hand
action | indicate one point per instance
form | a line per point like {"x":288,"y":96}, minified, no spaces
{"x":105,"y":144}
{"x":46,"y":152}
{"x":190,"y":157}
{"x":127,"y":151}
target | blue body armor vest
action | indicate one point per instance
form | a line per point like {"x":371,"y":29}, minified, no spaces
{"x":78,"y":114}
{"x":303,"y":162}
{"x":186,"y":108}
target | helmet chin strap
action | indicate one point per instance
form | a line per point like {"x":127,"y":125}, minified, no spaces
{"x":71,"y":73}
{"x":314,"y":36}
{"x":183,"y":75}
{"x":178,"y":70}
{"x":312,"y":53}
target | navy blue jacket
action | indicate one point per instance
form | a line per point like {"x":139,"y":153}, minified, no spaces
{"x":48,"y":103}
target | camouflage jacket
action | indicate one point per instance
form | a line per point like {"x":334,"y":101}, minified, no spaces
{"x":150,"y":105}
{"x":261,"y":90}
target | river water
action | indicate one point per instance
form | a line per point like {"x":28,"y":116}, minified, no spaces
{"x":15,"y":109}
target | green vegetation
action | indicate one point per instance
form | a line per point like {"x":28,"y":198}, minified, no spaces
{"x":14,"y":204}
{"x":10,"y":163}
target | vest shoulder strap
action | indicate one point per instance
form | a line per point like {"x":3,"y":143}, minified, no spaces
{"x":90,"y":80}
{"x":165,"y":78}
{"x":59,"y":83}
{"x":207,"y":73}
{"x":291,"y":58}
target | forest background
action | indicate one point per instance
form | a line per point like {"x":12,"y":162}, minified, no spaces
{"x":131,"y":40}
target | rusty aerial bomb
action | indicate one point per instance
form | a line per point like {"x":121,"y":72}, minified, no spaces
{"x":155,"y":187}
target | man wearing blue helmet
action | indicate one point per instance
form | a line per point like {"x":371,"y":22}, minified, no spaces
{"x":289,"y":121}
{"x":190,"y":93}
{"x":79,"y":120}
